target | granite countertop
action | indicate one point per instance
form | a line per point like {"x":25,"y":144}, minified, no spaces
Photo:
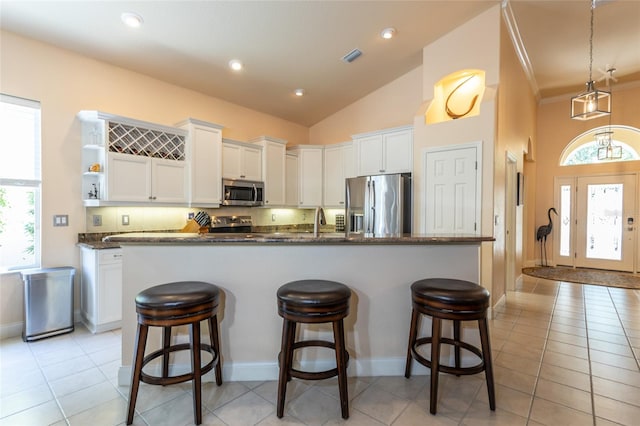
{"x":328,"y":238}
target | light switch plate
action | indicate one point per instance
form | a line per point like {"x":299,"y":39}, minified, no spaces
{"x":61,"y":220}
{"x":97,"y":220}
{"x":125,"y":219}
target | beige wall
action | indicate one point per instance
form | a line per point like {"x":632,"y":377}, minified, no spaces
{"x":555,"y":129}
{"x":516,"y":126}
{"x":473,"y":45}
{"x":392,"y":105}
{"x":66,"y":83}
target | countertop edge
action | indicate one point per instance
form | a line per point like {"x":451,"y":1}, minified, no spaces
{"x":252,"y":239}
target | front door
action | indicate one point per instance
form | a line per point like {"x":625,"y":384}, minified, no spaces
{"x":601,"y":216}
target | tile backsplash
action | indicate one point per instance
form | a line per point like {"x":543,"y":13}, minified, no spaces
{"x":163,"y":218}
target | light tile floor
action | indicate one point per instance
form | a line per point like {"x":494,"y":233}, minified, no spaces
{"x":564,"y":354}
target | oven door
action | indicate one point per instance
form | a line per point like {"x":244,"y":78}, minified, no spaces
{"x":242,"y":193}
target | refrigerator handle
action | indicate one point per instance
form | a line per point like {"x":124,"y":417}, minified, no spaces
{"x":372,"y":204}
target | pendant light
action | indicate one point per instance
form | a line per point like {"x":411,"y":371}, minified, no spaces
{"x":607,"y":150}
{"x":592,"y":103}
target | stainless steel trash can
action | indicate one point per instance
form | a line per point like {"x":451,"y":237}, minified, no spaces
{"x":48,"y":302}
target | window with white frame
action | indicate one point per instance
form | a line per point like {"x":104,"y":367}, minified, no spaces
{"x":20,"y":182}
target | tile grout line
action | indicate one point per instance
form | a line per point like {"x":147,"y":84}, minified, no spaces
{"x":544,"y":350}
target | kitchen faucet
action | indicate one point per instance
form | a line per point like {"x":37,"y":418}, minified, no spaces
{"x":318,"y":219}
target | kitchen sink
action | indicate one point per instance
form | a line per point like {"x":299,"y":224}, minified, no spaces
{"x":302,"y":235}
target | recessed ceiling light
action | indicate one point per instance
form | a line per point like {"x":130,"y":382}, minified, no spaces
{"x":388,"y":33}
{"x":235,"y":65}
{"x":299,"y":92}
{"x":132,"y":20}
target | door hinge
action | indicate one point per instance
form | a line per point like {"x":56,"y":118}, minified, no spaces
{"x":476,"y":165}
{"x":475,"y":226}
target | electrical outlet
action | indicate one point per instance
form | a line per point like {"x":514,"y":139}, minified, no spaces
{"x":61,"y":220}
{"x":125,"y":219}
{"x":273,"y":217}
{"x":191,"y":215}
{"x":97,"y":220}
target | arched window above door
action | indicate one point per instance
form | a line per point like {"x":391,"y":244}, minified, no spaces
{"x":584,"y":148}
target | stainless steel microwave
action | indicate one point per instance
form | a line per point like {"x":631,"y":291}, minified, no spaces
{"x":236,"y":192}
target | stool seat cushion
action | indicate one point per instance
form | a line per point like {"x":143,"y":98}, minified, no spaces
{"x":313,"y":293}
{"x":449,"y":291}
{"x":177,"y":295}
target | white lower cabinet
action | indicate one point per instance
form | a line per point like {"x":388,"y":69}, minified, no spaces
{"x":101,"y":289}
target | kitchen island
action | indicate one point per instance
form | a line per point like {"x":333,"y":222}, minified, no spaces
{"x":249,"y":268}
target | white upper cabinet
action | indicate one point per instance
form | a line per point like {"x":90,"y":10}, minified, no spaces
{"x":204,"y":154}
{"x":384,"y":152}
{"x":291,"y":180}
{"x":241,"y":160}
{"x":339,"y":164}
{"x":310,"y":168}
{"x":273,"y":169}
{"x":131,"y":161}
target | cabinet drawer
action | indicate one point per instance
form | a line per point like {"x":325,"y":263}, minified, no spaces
{"x":110,"y":256}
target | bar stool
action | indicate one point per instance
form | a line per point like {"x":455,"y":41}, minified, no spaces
{"x":448,"y":299}
{"x":170,"y":305}
{"x":313,"y":302}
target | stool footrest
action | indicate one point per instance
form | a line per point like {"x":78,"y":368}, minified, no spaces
{"x":458,"y":371}
{"x":316,"y":375}
{"x":170,"y":380}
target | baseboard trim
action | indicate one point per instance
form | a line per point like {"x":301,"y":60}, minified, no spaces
{"x":13,"y":329}
{"x":268,"y":371}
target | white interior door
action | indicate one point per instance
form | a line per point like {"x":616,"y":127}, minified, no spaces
{"x":451,"y":190}
{"x":604,"y":228}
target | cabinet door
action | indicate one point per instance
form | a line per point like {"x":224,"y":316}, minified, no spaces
{"x":398,"y":150}
{"x":169,"y":181}
{"x":310,"y":177}
{"x":369,"y":156}
{"x":349,"y":159}
{"x":274,"y":173}
{"x":231,"y":161}
{"x":206,"y":177}
{"x":334,"y":185}
{"x":110,"y":293}
{"x":129,"y":178}
{"x":291,"y":178}
{"x":251,"y":163}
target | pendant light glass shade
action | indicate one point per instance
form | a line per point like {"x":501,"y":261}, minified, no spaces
{"x":593,"y":103}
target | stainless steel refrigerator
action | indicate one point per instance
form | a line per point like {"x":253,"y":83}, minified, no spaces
{"x":378,"y":206}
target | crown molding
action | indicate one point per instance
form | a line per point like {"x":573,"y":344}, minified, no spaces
{"x":521,"y":52}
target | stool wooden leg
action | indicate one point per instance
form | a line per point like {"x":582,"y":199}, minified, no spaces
{"x":435,"y":362}
{"x":341,"y":363}
{"x":285,"y":364}
{"x":166,"y":344}
{"x":413,"y":333}
{"x":197,"y":374}
{"x":486,"y":357}
{"x":456,"y":338}
{"x":140,"y":344}
{"x":215,"y":343}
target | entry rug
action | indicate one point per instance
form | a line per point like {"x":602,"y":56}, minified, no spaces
{"x":586,"y":276}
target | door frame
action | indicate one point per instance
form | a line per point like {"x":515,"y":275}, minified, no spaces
{"x":478,"y":187}
{"x":573,"y":180}
{"x":510,"y":211}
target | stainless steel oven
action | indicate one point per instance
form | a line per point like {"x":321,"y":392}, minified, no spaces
{"x":236,"y":192}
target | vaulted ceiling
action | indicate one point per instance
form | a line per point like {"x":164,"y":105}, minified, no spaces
{"x":286,"y":45}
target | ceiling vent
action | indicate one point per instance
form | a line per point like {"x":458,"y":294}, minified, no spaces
{"x":352,"y":56}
